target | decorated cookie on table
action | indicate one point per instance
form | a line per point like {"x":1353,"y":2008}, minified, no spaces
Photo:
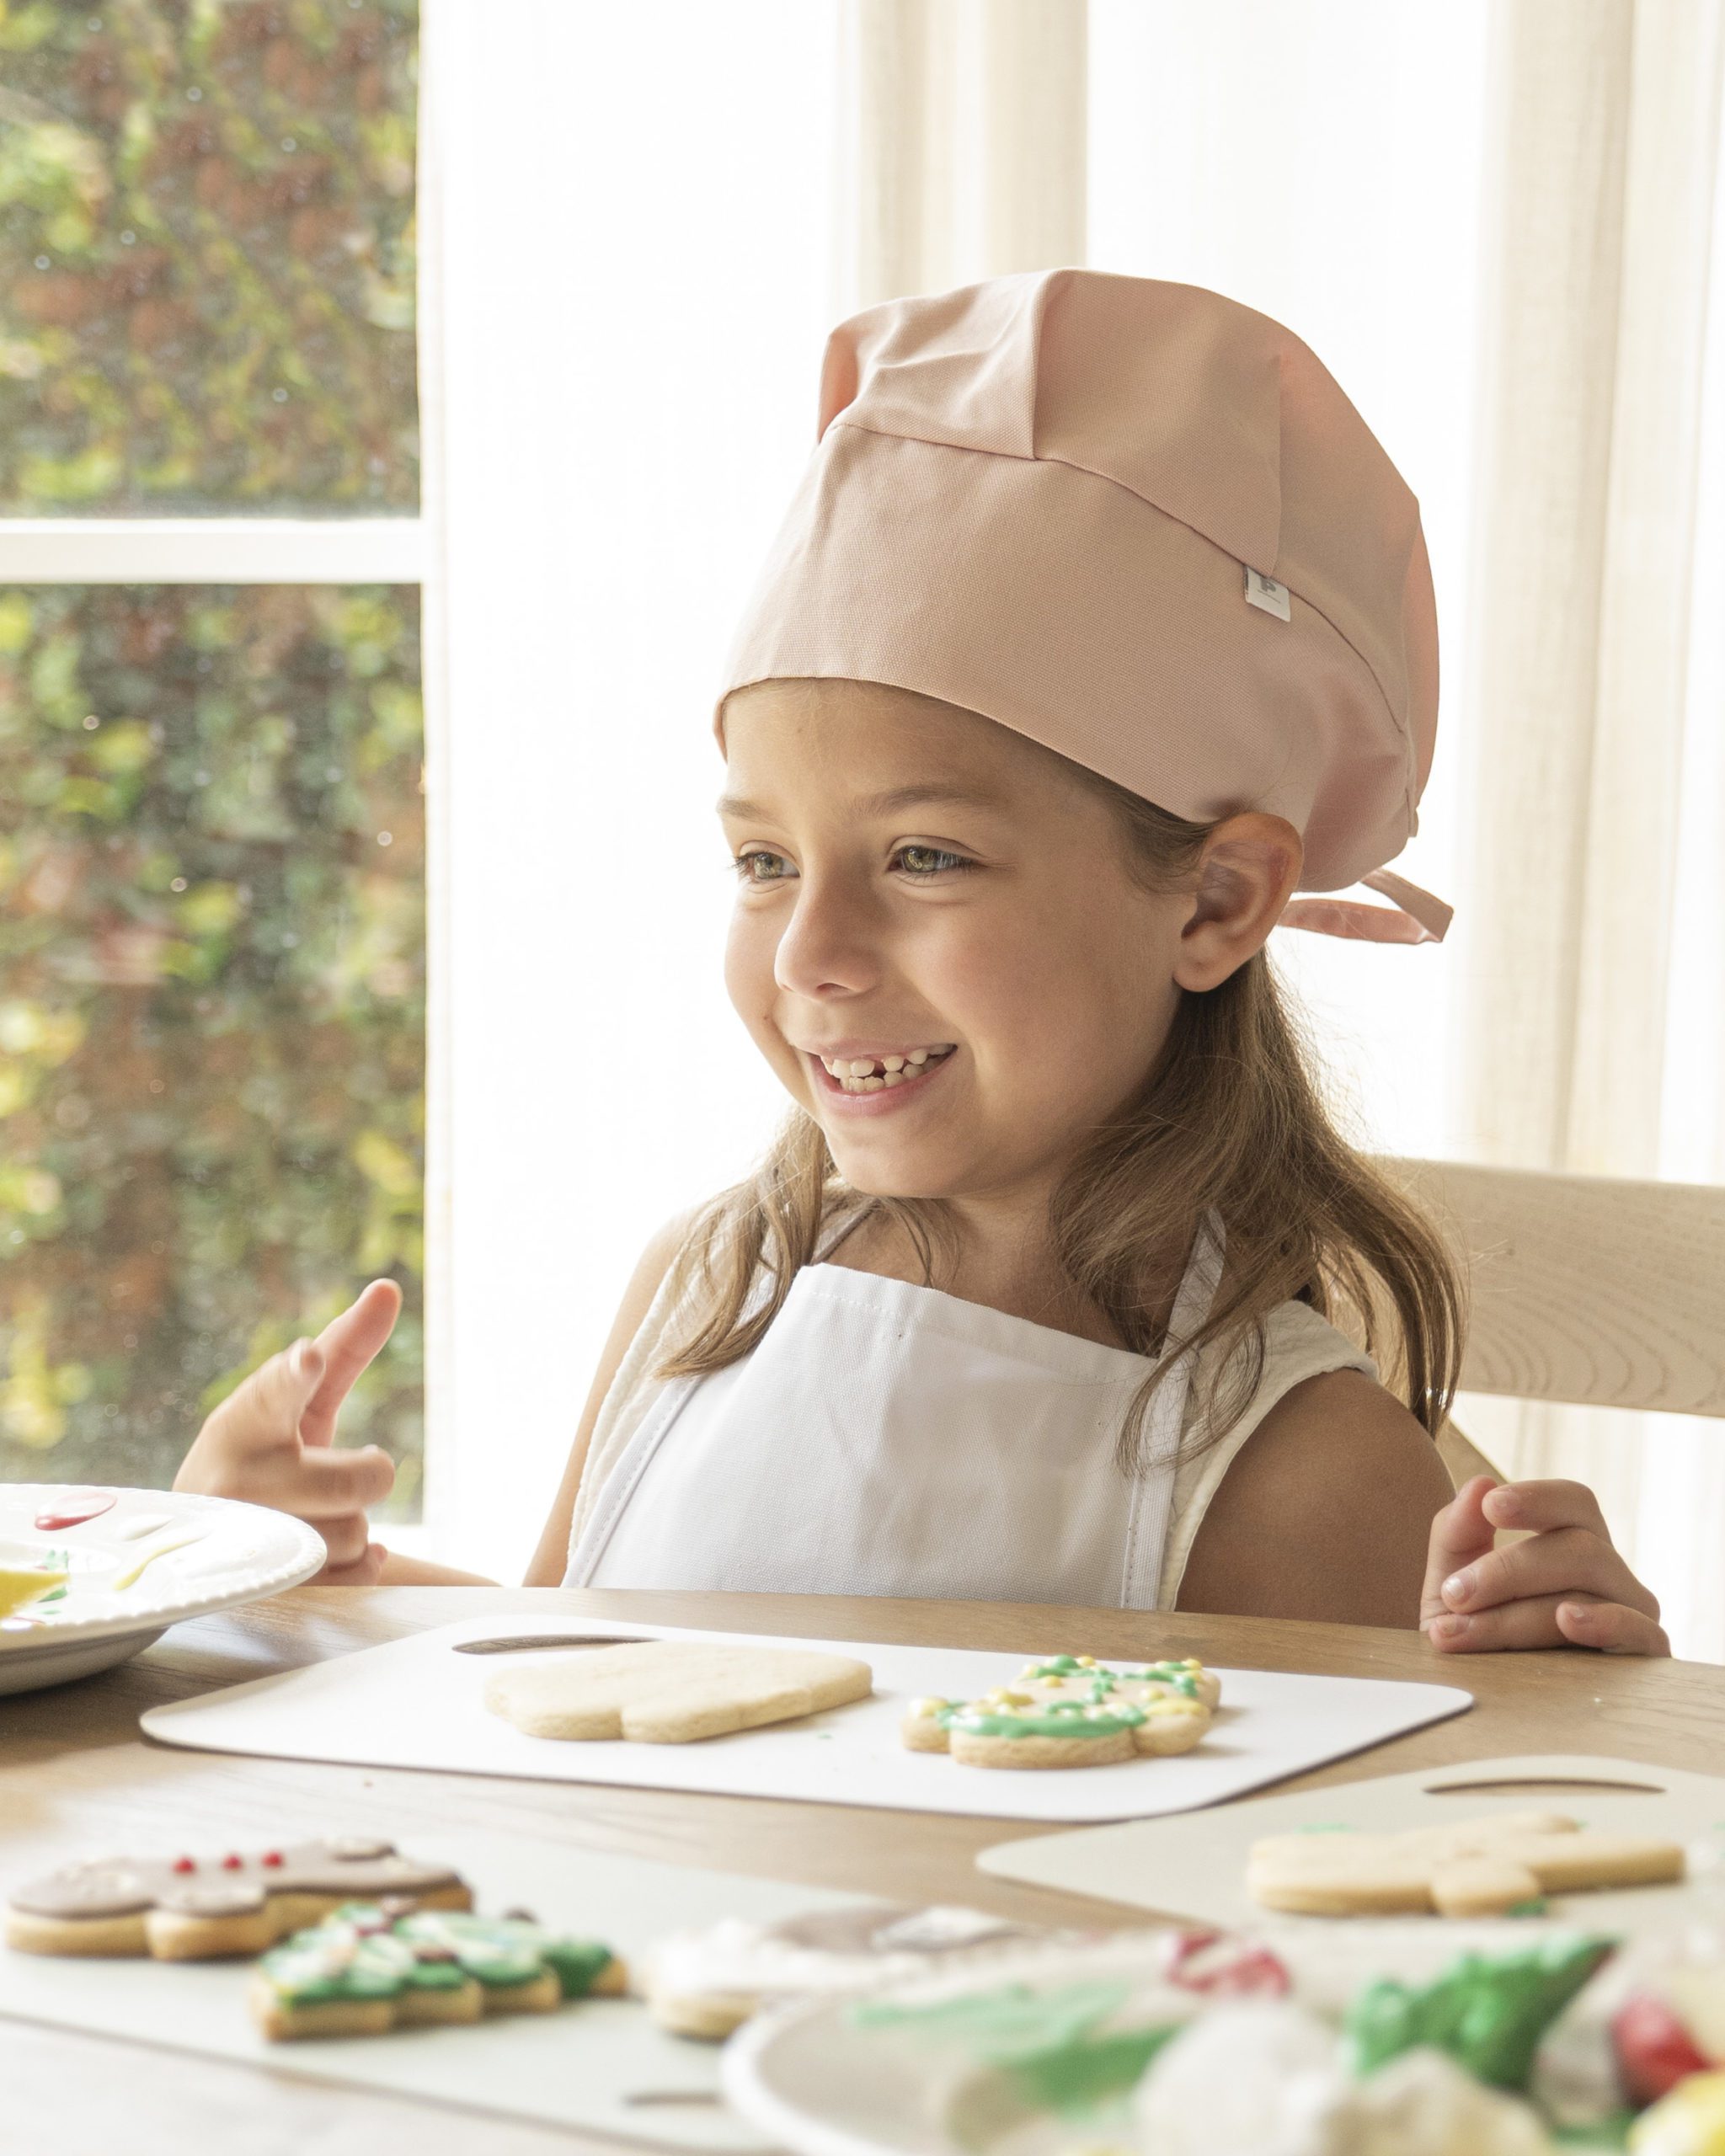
{"x":706,"y":1983}
{"x":373,"y":1967}
{"x":192,"y":1907}
{"x":1071,"y":1711}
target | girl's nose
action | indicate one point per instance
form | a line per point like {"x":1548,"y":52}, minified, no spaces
{"x":827,"y":944}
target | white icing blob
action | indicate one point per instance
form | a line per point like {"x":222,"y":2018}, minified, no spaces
{"x":1267,"y":2079}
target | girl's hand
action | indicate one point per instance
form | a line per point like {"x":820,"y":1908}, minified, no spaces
{"x":269,"y":1441}
{"x":1564,"y":1585}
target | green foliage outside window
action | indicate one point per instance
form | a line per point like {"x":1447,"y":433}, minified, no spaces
{"x":206,"y":256}
{"x":211,"y":833}
{"x":211,"y":1008}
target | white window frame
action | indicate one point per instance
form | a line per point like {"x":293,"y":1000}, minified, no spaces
{"x":57,"y":550}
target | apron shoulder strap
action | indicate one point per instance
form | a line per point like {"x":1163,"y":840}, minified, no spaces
{"x":1152,"y":1488}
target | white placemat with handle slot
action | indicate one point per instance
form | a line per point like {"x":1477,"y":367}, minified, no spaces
{"x":418,"y":1703}
{"x":601,"y":2065}
{"x":1196,"y":1867}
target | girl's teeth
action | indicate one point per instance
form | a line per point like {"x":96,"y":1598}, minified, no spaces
{"x":861,"y":1077}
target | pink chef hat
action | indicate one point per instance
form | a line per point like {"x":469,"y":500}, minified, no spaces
{"x":1141,"y":524}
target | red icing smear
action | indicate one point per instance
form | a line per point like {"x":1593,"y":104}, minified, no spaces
{"x":1210,"y":1962}
{"x":76,"y":1512}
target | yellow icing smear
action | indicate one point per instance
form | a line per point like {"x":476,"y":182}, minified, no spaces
{"x":134,"y":1572}
{"x":19,"y":1585}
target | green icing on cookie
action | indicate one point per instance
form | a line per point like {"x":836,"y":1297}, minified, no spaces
{"x":1063,"y":1718}
{"x":1180,"y":1675}
{"x":1487,"y":2012}
{"x":362,"y":1952}
{"x":578,"y":1964}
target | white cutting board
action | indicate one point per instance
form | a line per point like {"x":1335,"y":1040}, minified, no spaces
{"x":588,"y":2066}
{"x":1196,"y":1866}
{"x":418,"y":1703}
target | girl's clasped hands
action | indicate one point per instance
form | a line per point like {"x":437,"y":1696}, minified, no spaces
{"x":1562,"y":1583}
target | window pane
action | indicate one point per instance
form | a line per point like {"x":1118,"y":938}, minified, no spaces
{"x":211,"y":1008}
{"x":206,"y":256}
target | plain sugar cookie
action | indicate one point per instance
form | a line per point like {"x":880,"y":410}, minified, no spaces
{"x":1473,"y":1867}
{"x":672,"y":1691}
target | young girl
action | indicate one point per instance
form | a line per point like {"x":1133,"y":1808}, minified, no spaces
{"x":1099,"y":626}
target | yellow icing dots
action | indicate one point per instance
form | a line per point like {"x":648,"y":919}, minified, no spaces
{"x":1000,"y":1697}
{"x":1174,"y":1704}
{"x":925,"y":1708}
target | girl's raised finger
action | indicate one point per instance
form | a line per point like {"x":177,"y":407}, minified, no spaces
{"x":348,"y":1344}
{"x":1610,"y":1626}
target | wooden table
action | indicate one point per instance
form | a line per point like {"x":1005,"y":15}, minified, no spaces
{"x":73,"y":1765}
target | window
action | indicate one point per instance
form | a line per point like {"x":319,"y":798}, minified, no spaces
{"x":212,"y":805}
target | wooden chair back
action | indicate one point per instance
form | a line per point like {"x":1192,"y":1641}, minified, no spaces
{"x":1591,"y":1290}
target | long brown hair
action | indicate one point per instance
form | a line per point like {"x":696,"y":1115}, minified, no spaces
{"x":1230,"y":1117}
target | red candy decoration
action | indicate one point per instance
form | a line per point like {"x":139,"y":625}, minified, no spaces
{"x":184,"y":1864}
{"x":272,"y":1858}
{"x":1654,"y":2050}
{"x":231,"y":1863}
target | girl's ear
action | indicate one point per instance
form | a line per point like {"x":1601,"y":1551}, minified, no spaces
{"x":1245,"y":875}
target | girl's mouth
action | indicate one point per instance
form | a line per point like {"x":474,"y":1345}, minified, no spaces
{"x":887,"y":1099}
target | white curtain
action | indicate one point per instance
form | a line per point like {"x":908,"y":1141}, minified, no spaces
{"x":1592,"y":936}
{"x":963,"y":142}
{"x":630,"y":265}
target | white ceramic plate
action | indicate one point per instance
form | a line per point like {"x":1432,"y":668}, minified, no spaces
{"x":142,"y":1560}
{"x":819,"y":2082}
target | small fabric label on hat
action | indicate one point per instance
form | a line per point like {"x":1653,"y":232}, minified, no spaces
{"x":1264,"y":591}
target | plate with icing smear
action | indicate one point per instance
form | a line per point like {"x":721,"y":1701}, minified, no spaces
{"x":90,"y":1574}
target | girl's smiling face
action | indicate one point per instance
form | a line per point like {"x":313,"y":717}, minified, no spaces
{"x":913,"y":878}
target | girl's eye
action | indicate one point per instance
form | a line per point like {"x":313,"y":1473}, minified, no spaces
{"x":743,"y":866}
{"x":934,"y":861}
{"x":920,"y":862}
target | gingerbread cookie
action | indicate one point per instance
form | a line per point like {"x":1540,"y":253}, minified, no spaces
{"x":1475,"y":1867}
{"x":672,"y":1691}
{"x":370,"y":1967}
{"x":198,"y":1908}
{"x":1069,"y":1711}
{"x":706,"y":1984}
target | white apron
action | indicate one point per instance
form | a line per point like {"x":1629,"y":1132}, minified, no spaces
{"x":884,"y":1438}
